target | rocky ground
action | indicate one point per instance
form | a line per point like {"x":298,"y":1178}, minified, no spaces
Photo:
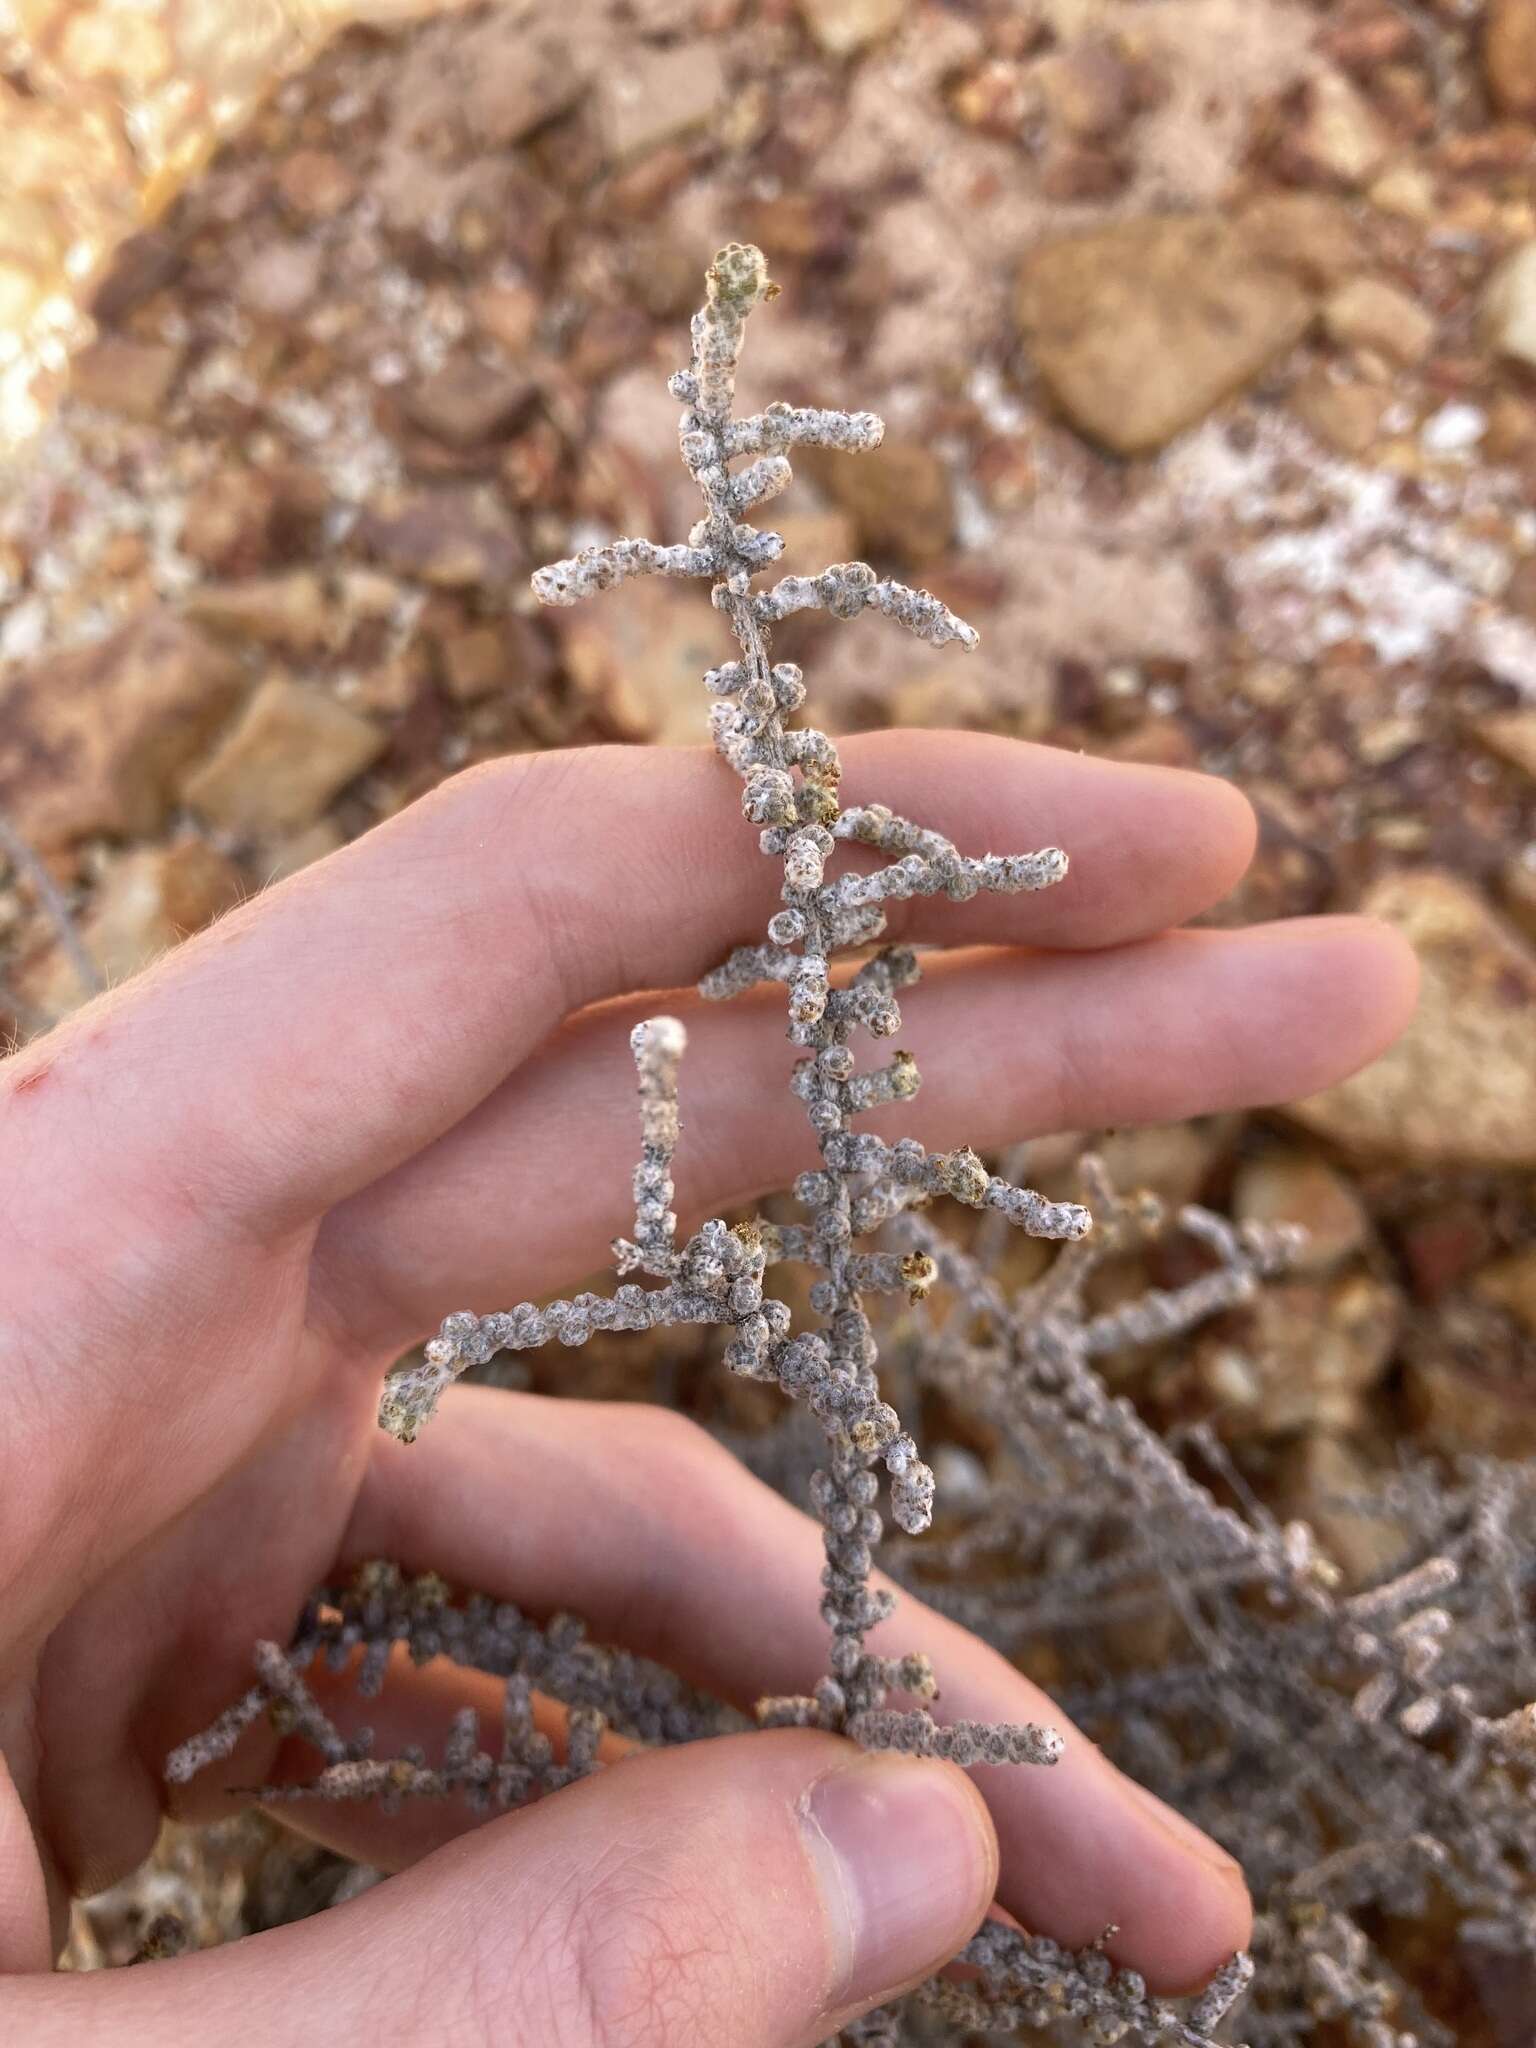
{"x":1206,"y":335}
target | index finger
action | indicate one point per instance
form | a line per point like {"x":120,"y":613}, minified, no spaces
{"x":317,"y":1037}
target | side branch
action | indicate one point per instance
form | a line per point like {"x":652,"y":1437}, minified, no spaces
{"x":848,"y":588}
{"x":600,"y":568}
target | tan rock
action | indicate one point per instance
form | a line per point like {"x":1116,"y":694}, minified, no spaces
{"x":656,"y":95}
{"x":284,"y":857}
{"x":1141,"y":328}
{"x":639,"y":661}
{"x":1517,"y":893}
{"x":132,"y":378}
{"x":898,"y":496}
{"x":475,"y":664}
{"x":1406,"y":191}
{"x":508,"y":314}
{"x":1511,"y":435}
{"x":1306,"y":1356}
{"x":1508,"y":311}
{"x":1509,"y":55}
{"x":288,"y":754}
{"x":455,"y":538}
{"x":1336,"y":138}
{"x":1459,"y":1088}
{"x":813,"y":536}
{"x":1172,"y":1160}
{"x":1311,"y":233}
{"x":1511,"y":1282}
{"x":1324,"y":1482}
{"x":149,"y":899}
{"x":1286,"y":1186}
{"x":93,"y":740}
{"x":841,"y":28}
{"x":290,"y":611}
{"x":1344,"y":415}
{"x":1512,"y":736}
{"x":1370,"y":314}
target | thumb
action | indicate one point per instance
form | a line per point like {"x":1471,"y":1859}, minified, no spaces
{"x":760,"y":1889}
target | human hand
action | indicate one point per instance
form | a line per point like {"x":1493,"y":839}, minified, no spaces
{"x":400,"y":1083}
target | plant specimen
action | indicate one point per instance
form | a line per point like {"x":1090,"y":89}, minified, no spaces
{"x":1356,"y":1749}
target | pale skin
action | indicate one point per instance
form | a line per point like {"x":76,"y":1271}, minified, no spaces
{"x":400,"y":1084}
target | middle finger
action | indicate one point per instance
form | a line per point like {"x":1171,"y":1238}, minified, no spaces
{"x":520,"y":1197}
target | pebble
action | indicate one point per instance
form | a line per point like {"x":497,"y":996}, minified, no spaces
{"x":1141,"y":328}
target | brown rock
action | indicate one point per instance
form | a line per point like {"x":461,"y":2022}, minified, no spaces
{"x":290,"y":611}
{"x":1509,"y":55}
{"x":316,"y":184}
{"x":1286,"y":1186}
{"x":1076,"y":171}
{"x":239,"y":519}
{"x":1506,"y":1992}
{"x":516,"y":84}
{"x":1089,"y":91}
{"x":1512,"y":736}
{"x":898,"y":496}
{"x":1139,"y":329}
{"x":1511,"y":1282}
{"x":1312,"y":233}
{"x":1343,"y":415}
{"x":288,"y":754}
{"x":457,"y":539}
{"x":468,"y":402}
{"x":93,"y":740}
{"x":1460,"y":1086}
{"x":1370,"y":314}
{"x":841,"y":28}
{"x":656,"y":95}
{"x":131,"y":378}
{"x":1441,"y":1246}
{"x":149,"y":899}
{"x":1306,"y":1357}
{"x":143,"y":265}
{"x":1520,"y":591}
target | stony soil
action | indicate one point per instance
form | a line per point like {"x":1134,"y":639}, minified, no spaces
{"x":1206,"y":335}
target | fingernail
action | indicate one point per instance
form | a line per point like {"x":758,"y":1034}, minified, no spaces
{"x":906,"y":1864}
{"x":1187,"y":1834}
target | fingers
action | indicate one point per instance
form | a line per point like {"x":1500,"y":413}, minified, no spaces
{"x":654,"y":1535}
{"x":759,"y":1890}
{"x":525,"y":1190}
{"x":321,"y":1034}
